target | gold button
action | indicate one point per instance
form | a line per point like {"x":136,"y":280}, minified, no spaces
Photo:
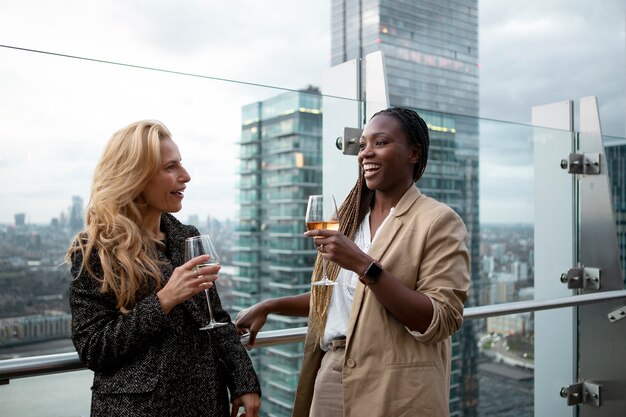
{"x":350,"y":363}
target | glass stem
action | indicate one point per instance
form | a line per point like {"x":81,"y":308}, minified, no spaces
{"x":324,"y":268}
{"x":206,"y":293}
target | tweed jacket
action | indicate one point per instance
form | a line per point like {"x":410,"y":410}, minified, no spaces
{"x":147,"y":363}
{"x":389,"y":370}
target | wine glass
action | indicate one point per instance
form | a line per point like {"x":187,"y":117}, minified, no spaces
{"x":202,"y":245}
{"x":322,"y":214}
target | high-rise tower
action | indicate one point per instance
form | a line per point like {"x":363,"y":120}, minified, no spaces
{"x":280,"y":166}
{"x":430,"y":49}
{"x":616,"y":161}
{"x":76,"y":215}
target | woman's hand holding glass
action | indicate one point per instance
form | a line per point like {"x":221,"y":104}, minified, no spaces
{"x":203,"y":245}
{"x":322,"y":214}
{"x":186,"y":281}
{"x":338,"y":248}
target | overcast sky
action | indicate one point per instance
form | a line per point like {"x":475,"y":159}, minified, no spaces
{"x":543,"y":51}
{"x":57,"y":113}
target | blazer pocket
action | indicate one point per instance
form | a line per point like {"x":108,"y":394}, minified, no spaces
{"x":139,"y":376}
{"x":416,"y":388}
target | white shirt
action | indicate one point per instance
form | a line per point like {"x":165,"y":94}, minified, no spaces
{"x":343,"y":292}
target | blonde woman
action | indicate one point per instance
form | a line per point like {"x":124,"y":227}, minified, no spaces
{"x":378,"y":343}
{"x":134,"y":319}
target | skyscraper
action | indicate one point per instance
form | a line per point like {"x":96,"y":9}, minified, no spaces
{"x":616,"y":162}
{"x":76,"y":215}
{"x":431,"y":54}
{"x":280,"y":166}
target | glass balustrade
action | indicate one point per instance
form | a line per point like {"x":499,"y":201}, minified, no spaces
{"x":263,"y":169}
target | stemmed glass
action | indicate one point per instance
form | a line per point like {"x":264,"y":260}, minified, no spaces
{"x":321,"y":214}
{"x":202,"y":245}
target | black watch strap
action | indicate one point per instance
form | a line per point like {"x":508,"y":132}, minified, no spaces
{"x":371,"y":274}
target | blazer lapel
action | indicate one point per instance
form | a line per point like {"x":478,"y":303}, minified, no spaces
{"x":378,"y":249}
{"x":393,"y":225}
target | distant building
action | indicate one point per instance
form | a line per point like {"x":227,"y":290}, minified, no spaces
{"x":520,"y":270}
{"x":76,"y":218}
{"x":488,"y":264}
{"x":520,"y":323}
{"x":526,"y":294}
{"x":35,"y":328}
{"x":498,"y":250}
{"x":616,"y":161}
{"x":20,"y":219}
{"x":194,"y":219}
{"x":503,"y":287}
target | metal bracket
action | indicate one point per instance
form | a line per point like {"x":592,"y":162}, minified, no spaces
{"x":582,"y":163}
{"x":582,"y":277}
{"x":349,"y":142}
{"x":585,"y":392}
{"x":616,"y":315}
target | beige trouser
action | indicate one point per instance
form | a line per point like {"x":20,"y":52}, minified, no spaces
{"x":327,"y":396}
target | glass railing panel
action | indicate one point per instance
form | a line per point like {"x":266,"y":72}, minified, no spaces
{"x":506,"y":367}
{"x":280,"y":367}
{"x":62,"y":394}
{"x":222,"y":150}
{"x":484,"y":169}
{"x":481,"y":168}
{"x":504,"y":344}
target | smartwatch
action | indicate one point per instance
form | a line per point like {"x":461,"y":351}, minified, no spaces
{"x":371,"y":274}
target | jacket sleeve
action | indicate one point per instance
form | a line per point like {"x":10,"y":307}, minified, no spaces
{"x":104,"y":337}
{"x":444,"y":276}
{"x":240,"y":374}
{"x":235,"y":362}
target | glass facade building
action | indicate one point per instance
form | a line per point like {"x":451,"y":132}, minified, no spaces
{"x":280,"y":166}
{"x":616,"y":161}
{"x":430,"y":49}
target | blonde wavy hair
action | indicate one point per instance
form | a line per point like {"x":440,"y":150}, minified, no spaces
{"x":113,"y":223}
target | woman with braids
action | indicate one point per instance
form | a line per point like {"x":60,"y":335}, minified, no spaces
{"x":379,"y":342}
{"x":137,"y":306}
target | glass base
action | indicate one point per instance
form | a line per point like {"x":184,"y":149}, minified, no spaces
{"x":213,"y":325}
{"x":324,"y":281}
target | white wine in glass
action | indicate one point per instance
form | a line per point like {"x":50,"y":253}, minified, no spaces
{"x":202,"y":245}
{"x":321,"y":214}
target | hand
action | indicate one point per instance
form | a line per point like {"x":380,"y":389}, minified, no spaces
{"x":251,"y":320}
{"x":186,"y":281}
{"x":250,"y":402}
{"x":338,"y":248}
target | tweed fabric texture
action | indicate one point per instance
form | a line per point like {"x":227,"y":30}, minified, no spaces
{"x":147,"y":363}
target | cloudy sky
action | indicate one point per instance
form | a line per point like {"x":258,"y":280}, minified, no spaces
{"x":543,"y":51}
{"x":56,"y":113}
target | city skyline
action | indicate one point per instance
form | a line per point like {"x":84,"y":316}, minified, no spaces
{"x":502,"y":246}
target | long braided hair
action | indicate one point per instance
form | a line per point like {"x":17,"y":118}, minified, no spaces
{"x":359,"y":201}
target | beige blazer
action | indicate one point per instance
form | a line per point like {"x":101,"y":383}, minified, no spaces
{"x":389,"y":370}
